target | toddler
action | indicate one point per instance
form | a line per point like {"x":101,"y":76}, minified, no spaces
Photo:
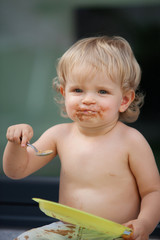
{"x":107,"y":167}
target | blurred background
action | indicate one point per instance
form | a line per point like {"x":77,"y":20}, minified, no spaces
{"x":34,"y":33}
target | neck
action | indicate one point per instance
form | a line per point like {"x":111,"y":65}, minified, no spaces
{"x":97,"y":130}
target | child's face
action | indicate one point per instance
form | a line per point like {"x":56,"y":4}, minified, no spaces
{"x":94,"y":101}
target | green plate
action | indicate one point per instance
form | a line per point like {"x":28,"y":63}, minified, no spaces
{"x":83,"y":219}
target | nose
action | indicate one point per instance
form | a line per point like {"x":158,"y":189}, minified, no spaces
{"x":88,"y":99}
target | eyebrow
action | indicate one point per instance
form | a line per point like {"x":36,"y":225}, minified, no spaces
{"x":104,"y":87}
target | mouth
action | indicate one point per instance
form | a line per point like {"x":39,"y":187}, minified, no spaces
{"x":86,"y":112}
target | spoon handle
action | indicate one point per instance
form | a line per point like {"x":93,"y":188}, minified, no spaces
{"x":33,"y":147}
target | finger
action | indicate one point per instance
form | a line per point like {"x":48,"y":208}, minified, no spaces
{"x":17,"y":135}
{"x":129,"y":224}
{"x":12,"y":135}
{"x":24,"y":140}
{"x":26,"y":136}
{"x":128,"y":237}
{"x":9,"y":134}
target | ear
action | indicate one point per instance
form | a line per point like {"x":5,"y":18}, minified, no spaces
{"x":62,"y":91}
{"x":128,"y":97}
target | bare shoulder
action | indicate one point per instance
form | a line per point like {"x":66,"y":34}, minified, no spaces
{"x":137,"y":146}
{"x":132,"y":135}
{"x":58,"y":130}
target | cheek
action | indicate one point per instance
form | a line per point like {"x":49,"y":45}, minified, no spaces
{"x":104,"y":107}
{"x":103,"y":110}
{"x":107,"y":109}
{"x":71,"y":105}
{"x":110,"y":104}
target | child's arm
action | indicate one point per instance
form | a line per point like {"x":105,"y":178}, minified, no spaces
{"x":143,"y":167}
{"x":19,"y":160}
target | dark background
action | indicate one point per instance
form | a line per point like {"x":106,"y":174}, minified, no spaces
{"x":140,"y":26}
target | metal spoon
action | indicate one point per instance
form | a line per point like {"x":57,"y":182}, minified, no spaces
{"x":39,"y":152}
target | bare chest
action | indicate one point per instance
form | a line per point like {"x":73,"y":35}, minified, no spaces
{"x":88,"y":160}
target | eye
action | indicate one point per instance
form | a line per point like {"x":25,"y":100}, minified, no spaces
{"x":102,"y":91}
{"x":78,"y":90}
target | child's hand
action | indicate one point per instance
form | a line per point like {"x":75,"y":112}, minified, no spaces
{"x":139,"y":229}
{"x":20,"y":134}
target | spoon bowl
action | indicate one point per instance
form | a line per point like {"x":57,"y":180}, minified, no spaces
{"x":39,"y":152}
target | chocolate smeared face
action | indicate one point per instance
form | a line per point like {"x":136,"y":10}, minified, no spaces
{"x":92,"y":100}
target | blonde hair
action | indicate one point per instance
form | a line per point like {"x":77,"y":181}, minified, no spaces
{"x":113,"y":56}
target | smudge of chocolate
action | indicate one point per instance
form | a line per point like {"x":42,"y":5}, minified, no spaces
{"x":71,"y":226}
{"x":26,"y":237}
{"x":60,"y":232}
{"x":82,"y":116}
